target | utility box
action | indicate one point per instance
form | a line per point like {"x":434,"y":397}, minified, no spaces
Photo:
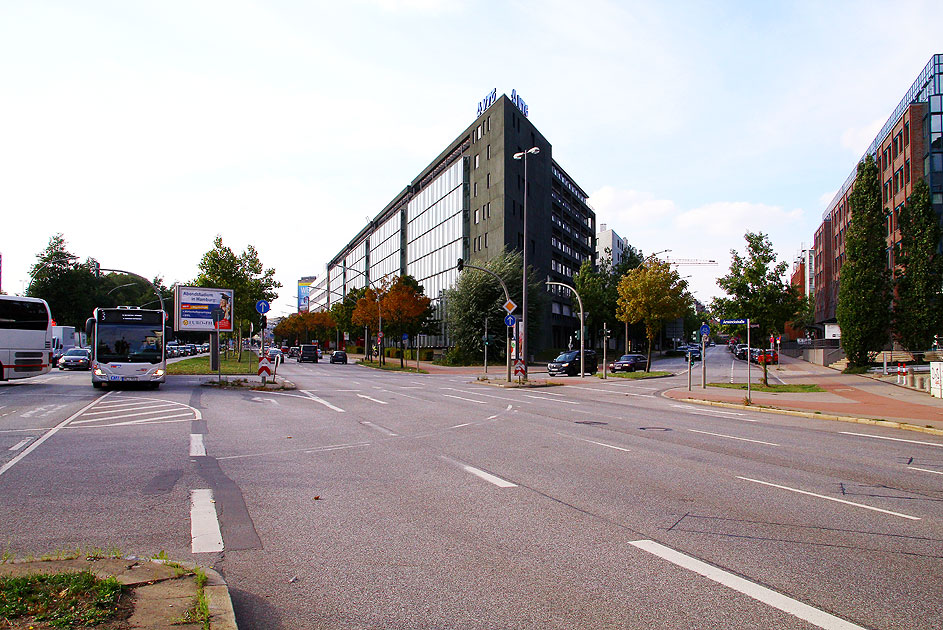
{"x":936,"y":379}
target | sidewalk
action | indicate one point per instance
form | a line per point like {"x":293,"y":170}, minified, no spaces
{"x":846,"y":396}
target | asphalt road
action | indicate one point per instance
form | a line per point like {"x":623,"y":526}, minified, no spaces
{"x":368,"y":499}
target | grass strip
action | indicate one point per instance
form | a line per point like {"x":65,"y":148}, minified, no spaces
{"x":63,"y":600}
{"x":230,"y":365}
{"x":758,"y":387}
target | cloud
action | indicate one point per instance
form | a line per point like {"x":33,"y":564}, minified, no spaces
{"x":723,"y":217}
{"x":857,"y":139}
{"x":617,"y":207}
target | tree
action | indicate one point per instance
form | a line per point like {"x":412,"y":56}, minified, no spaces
{"x":652,"y":294}
{"x":919,"y":278}
{"x":70,"y":287}
{"x":864,"y":290}
{"x":758,"y":290}
{"x":222,"y":268}
{"x":597,"y":289}
{"x":405,"y":310}
{"x":367,"y":314}
{"x":478,"y":295}
{"x":343,"y":311}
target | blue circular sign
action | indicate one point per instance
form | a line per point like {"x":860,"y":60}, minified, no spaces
{"x":405,"y":337}
{"x":262,"y":307}
{"x":509,"y":321}
{"x":705,"y":329}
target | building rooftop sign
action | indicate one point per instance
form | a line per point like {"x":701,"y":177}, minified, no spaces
{"x":517,"y":100}
{"x":487,"y":101}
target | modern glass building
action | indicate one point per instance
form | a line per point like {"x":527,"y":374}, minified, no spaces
{"x":908,"y":148}
{"x":468,"y":203}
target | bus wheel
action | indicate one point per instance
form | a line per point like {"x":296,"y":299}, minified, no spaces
{"x":97,"y":384}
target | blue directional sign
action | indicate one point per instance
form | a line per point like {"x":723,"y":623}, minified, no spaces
{"x":728,"y":322}
{"x":262,"y":307}
{"x":705,"y":330}
{"x":509,"y":321}
{"x":405,"y":336}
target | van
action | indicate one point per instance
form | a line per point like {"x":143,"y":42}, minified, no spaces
{"x":308,"y":352}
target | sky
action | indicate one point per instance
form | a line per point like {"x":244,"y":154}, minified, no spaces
{"x":141,"y":130}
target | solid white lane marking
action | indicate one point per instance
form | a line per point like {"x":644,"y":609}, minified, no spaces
{"x":477,"y":402}
{"x":501,"y":483}
{"x":462,"y":391}
{"x":935,"y":472}
{"x":822,"y":496}
{"x":611,"y":391}
{"x":618,"y":448}
{"x":464,"y":424}
{"x":731,"y":437}
{"x":373,"y":399}
{"x":710,"y":415}
{"x":762,"y":594}
{"x":568,"y":402}
{"x":20,"y":445}
{"x":322,"y":401}
{"x":881,"y":437}
{"x":205,"y":536}
{"x":389,"y":391}
{"x":552,"y":394}
{"x":197,"y":445}
{"x":29,"y":449}
{"x":307,"y":449}
{"x":366,"y":423}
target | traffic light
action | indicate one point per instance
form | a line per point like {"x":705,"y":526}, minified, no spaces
{"x":264,"y":322}
{"x":98,"y":269}
{"x":461,"y":264}
{"x":577,"y":335}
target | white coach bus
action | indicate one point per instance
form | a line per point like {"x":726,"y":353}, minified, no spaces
{"x":25,"y":337}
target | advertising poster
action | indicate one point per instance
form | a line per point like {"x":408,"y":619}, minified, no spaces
{"x":304,"y":291}
{"x":195,"y":306}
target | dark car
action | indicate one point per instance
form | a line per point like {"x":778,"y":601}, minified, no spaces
{"x":569,"y":363}
{"x":339,"y":356}
{"x":741,"y":352}
{"x":275,"y":355}
{"x":629,"y":363}
{"x":76,"y":359}
{"x":693,"y":352}
{"x":308,"y":352}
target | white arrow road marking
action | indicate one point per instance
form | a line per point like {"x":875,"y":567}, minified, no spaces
{"x":768,"y":596}
{"x":205,"y":536}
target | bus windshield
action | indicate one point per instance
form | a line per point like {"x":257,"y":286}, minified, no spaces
{"x":124,"y":343}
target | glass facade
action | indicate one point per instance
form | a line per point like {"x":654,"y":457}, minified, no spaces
{"x":355,"y":264}
{"x":335,"y":286}
{"x":435,"y":230}
{"x":385,"y":249}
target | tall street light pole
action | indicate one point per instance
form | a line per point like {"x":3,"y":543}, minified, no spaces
{"x":524,"y":315}
{"x":582,"y":332}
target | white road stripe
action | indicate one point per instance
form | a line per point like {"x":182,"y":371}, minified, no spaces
{"x":146,"y":402}
{"x":205,"y":536}
{"x":457,"y":426}
{"x":710,"y":415}
{"x":307,"y":449}
{"x":568,"y":402}
{"x":822,"y":496}
{"x":524,"y":402}
{"x":126,"y":415}
{"x":731,"y":437}
{"x":610,"y":391}
{"x":881,"y":437}
{"x":501,"y":483}
{"x":618,"y":448}
{"x":322,"y":401}
{"x":477,"y":402}
{"x":762,"y":594}
{"x":197,"y":445}
{"x":29,"y":449}
{"x":379,"y":428}
{"x":20,"y":445}
{"x":935,"y":472}
{"x":373,"y":399}
{"x":127,"y":423}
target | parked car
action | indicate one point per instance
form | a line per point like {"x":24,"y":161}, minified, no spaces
{"x":629,"y":363}
{"x":308,"y":352}
{"x":767,"y":356}
{"x":339,"y":356}
{"x":569,"y":363}
{"x":76,"y":359}
{"x":293,"y":351}
{"x":741,"y":352}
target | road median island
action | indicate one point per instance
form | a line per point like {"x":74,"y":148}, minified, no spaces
{"x":791,"y":388}
{"x":390,"y":368}
{"x":228,"y":365}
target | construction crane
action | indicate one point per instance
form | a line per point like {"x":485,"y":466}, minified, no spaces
{"x":690,"y":261}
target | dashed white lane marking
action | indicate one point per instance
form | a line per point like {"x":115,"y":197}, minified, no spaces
{"x":881,"y":437}
{"x":501,"y":483}
{"x":732,"y":437}
{"x":464,"y":424}
{"x":306,"y":449}
{"x":20,"y":445}
{"x":935,"y":472}
{"x":822,"y":496}
{"x":197,"y":445}
{"x":383,"y":430}
{"x":462,"y":391}
{"x":612,"y":391}
{"x":618,"y":448}
{"x":29,"y":449}
{"x":205,"y":536}
{"x":373,"y":399}
{"x":568,"y":402}
{"x":477,"y":402}
{"x":762,"y":594}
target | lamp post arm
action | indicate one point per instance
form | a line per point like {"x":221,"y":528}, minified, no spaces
{"x":131,"y":273}
{"x":582,"y":331}
{"x":507,"y":296}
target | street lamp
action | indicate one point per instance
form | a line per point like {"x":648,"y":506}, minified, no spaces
{"x":524,"y":317}
{"x":582,"y":332}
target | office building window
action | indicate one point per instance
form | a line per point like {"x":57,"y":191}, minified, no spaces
{"x":476,"y":160}
{"x":488,"y":180}
{"x":476,"y":216}
{"x":475,"y":189}
{"x":486,"y":239}
{"x":488,"y":154}
{"x":907,"y":172}
{"x":488,"y":207}
{"x":906,"y":134}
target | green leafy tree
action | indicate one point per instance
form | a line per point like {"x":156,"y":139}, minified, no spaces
{"x":477,"y":295}
{"x":652,"y":294}
{"x":69,"y":286}
{"x":918,"y":312}
{"x":757,"y":289}
{"x":343,"y":311}
{"x":222,"y":268}
{"x":597,"y":288}
{"x":864,"y":290}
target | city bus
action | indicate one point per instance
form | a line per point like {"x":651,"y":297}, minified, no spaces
{"x":127,"y":346}
{"x":25,"y":337}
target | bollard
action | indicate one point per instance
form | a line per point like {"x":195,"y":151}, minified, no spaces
{"x":910,"y":377}
{"x":921,"y":382}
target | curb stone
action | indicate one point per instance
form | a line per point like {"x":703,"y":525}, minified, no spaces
{"x":806,"y":414}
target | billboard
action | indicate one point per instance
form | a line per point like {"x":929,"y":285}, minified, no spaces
{"x":194,"y":308}
{"x":304,"y":291}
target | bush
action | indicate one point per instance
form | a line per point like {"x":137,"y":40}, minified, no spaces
{"x":856,"y":369}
